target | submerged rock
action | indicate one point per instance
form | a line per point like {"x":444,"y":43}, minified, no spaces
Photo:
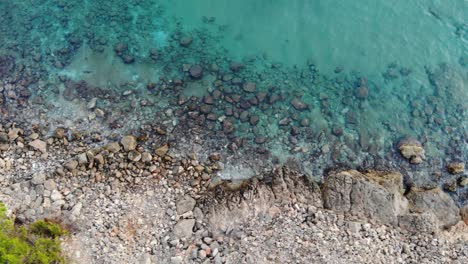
{"x":412,"y":150}
{"x":196,"y":71}
{"x":456,"y":167}
{"x":298,"y":104}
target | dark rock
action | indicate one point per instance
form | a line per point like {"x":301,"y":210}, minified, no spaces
{"x":260,"y":140}
{"x":337,"y":131}
{"x":295,"y":131}
{"x":261,"y":96}
{"x":228,"y":127}
{"x":196,"y":71}
{"x":128,"y":59}
{"x":254,"y":120}
{"x":236,"y":66}
{"x":284,"y":122}
{"x":205,"y":109}
{"x":298,"y":104}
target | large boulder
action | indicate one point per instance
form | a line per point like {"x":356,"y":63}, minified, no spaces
{"x":437,"y":202}
{"x":376,"y":195}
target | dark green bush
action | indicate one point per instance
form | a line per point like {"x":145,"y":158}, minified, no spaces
{"x":36,"y":244}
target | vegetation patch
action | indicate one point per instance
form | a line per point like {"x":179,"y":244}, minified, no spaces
{"x":37,"y":243}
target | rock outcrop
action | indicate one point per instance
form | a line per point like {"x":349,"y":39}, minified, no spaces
{"x":375,"y":195}
{"x":380,"y":196}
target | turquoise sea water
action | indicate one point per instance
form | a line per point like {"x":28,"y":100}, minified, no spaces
{"x":370,"y":72}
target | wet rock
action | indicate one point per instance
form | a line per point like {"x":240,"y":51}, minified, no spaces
{"x":162,"y":151}
{"x":254,"y":120}
{"x":337,"y":131}
{"x":60,"y":133}
{"x":196,"y":71}
{"x":362,"y":92}
{"x":261,"y":96}
{"x":182,"y":99}
{"x":284,"y":122}
{"x":146,"y":157}
{"x":185,"y":41}
{"x":298,"y":104}
{"x":456,"y":167}
{"x":134,"y":155}
{"x":435,"y":201}
{"x":205,"y":109}
{"x":236,"y":66}
{"x":184,"y":228}
{"x":375,"y":195}
{"x":114,"y":147}
{"x":39,"y":145}
{"x":412,"y":150}
{"x":129,"y":143}
{"x":305,"y":122}
{"x":128,"y":59}
{"x":228,"y":127}
{"x":120,"y":48}
{"x":249,"y":87}
{"x":186,"y":204}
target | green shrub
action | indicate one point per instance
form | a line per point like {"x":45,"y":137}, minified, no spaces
{"x":36,"y":244}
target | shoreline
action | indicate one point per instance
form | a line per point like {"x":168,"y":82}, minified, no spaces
{"x":76,"y":187}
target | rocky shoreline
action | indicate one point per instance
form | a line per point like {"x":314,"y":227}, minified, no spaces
{"x":130,"y":202}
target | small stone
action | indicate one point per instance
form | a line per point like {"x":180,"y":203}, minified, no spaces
{"x":456,"y":167}
{"x":71,"y":164}
{"x":39,"y":145}
{"x":186,"y":204}
{"x":38,"y":179}
{"x":55,"y":195}
{"x":184,"y":228}
{"x":362,"y":92}
{"x":134,"y":155}
{"x":162,"y":151}
{"x":114,"y":147}
{"x":50,"y":185}
{"x":129,"y":143}
{"x":185,"y":41}
{"x":60,"y":133}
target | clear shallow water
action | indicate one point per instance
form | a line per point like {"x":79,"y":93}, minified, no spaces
{"x":375,"y":70}
{"x":364,"y":36}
